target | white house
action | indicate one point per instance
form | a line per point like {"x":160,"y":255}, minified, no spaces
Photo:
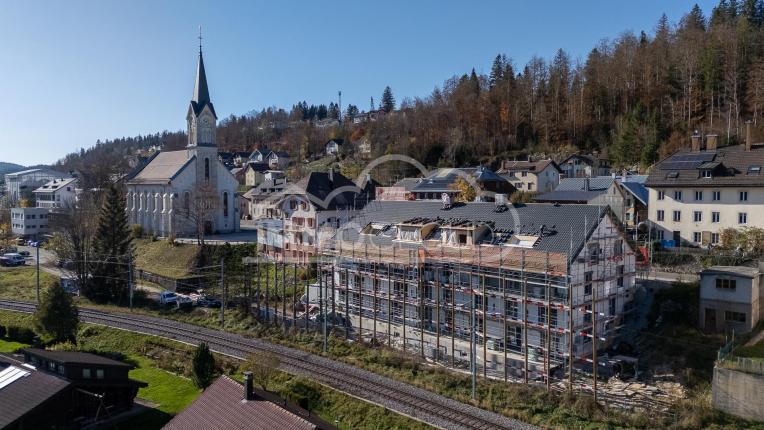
{"x":58,"y":193}
{"x":29,"y":223}
{"x":730,"y":298}
{"x":532,"y":176}
{"x":182,"y":192}
{"x":278,"y":160}
{"x":333,"y":146}
{"x":585,"y":166}
{"x":695,"y":194}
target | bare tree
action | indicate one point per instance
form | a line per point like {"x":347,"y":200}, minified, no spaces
{"x":75,"y":225}
{"x":199,"y":207}
{"x":264,"y":365}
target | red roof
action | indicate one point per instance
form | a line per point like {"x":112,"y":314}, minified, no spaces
{"x":222,"y":407}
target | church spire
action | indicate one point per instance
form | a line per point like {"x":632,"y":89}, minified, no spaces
{"x":201,"y":93}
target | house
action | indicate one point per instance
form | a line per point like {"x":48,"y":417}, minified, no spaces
{"x":259,"y":155}
{"x":19,"y":185}
{"x":696,"y":193}
{"x":731,"y":298}
{"x":226,"y":158}
{"x":363,"y":146}
{"x":254,"y":173}
{"x":580,"y":166}
{"x":278,"y":160}
{"x":597,"y":191}
{"x":30,"y":223}
{"x":333,"y":146}
{"x":263,"y":199}
{"x":399,"y":191}
{"x":238,"y":173}
{"x":229,"y":405}
{"x":637,"y":196}
{"x":191,"y":191}
{"x":271,"y":175}
{"x":531,"y":176}
{"x":240,"y":158}
{"x":31,"y":398}
{"x":58,"y":193}
{"x":442,"y":181}
{"x":527,"y":280}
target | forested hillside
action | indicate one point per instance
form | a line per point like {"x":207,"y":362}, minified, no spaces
{"x":637,"y":96}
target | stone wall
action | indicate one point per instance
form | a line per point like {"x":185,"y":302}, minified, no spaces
{"x":738,"y":393}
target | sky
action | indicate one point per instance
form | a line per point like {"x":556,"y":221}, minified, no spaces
{"x":77,"y":71}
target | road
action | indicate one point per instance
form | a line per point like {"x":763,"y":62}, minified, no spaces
{"x":399,"y":397}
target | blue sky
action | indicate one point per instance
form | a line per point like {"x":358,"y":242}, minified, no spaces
{"x":76,"y":71}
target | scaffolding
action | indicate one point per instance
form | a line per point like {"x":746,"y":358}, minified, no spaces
{"x":520,"y":314}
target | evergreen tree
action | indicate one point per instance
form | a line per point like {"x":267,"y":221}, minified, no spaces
{"x":497,"y":70}
{"x":474,"y":82}
{"x":334,"y":111}
{"x":112,"y":248}
{"x":388,"y":101}
{"x":56,"y":318}
{"x":351,"y":111}
{"x":203,"y":366}
{"x":322,"y":111}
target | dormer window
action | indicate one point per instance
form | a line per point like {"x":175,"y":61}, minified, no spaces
{"x":672,"y":175}
{"x":706,"y":174}
{"x":754,"y":170}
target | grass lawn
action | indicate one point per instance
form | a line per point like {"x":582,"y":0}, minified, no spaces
{"x":753,"y":351}
{"x":172,"y":393}
{"x":10,"y":346}
{"x":20,"y":283}
{"x":164,"y":259}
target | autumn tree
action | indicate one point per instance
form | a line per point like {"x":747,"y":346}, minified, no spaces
{"x":467,"y":192}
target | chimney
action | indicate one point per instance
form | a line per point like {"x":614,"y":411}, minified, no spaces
{"x":695,"y":139}
{"x":586,"y":184}
{"x":249,"y":390}
{"x":748,"y":135}
{"x":711,"y":142}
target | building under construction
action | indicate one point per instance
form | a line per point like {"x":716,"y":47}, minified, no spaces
{"x":523,"y":292}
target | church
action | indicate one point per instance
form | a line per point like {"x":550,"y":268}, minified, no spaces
{"x":189,"y":192}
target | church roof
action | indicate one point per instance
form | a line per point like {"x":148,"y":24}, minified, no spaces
{"x":162,"y":168}
{"x":201,"y":92}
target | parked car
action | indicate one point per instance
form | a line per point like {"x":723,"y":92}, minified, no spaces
{"x":5,"y":262}
{"x":15,"y":258}
{"x":24,"y":253}
{"x":183,"y":301}
{"x":208,"y":302}
{"x":20,"y":241}
{"x":167,"y":298}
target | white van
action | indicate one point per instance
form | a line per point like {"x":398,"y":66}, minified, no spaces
{"x":15,"y":258}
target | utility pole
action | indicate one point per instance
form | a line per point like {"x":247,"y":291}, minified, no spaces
{"x":225,"y":292}
{"x":38,"y":272}
{"x":129,"y":279}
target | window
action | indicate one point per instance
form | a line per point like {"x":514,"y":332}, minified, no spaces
{"x":714,"y":238}
{"x":742,"y":218}
{"x":660,"y":234}
{"x":99,"y":373}
{"x":698,"y":196}
{"x":716,"y":196}
{"x":660,"y":215}
{"x":51,"y":365}
{"x":726,"y":284}
{"x":588,"y":276}
{"x":677,"y":216}
{"x":744,"y":196}
{"x":754,"y":170}
{"x":678,"y":196}
{"x":705,"y":174}
{"x":588,"y":314}
{"x":697,"y":216}
{"x":661,"y":195}
{"x":207,"y":169}
{"x":187,"y":202}
{"x":523,"y":173}
{"x":225,"y":204}
{"x":86,"y":373}
{"x":611,"y":306}
{"x":734,"y":317}
{"x":697,"y":237}
{"x":715,"y":216}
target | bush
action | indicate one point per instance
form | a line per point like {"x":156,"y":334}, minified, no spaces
{"x":672,"y":259}
{"x":136,"y":230}
{"x":20,"y":334}
{"x":2,"y":331}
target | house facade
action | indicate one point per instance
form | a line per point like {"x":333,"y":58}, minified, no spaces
{"x":695,"y":194}
{"x":585,"y":166}
{"x":19,"y":185}
{"x":730,"y":298}
{"x":30,"y":223}
{"x":333,"y":146}
{"x":186,"y":192}
{"x":58,"y":193}
{"x":531,"y":176}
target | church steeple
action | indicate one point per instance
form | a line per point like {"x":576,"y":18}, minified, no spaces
{"x":201,"y":93}
{"x":201,"y":116}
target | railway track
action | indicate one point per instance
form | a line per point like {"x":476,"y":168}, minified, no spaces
{"x":402,"y":398}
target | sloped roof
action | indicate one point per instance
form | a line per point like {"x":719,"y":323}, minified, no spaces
{"x":638,"y":190}
{"x":563,"y":224}
{"x":441,"y":179}
{"x":568,"y":196}
{"x":731,"y":165}
{"x":222,"y":406}
{"x":162,"y":167}
{"x":54,"y":185}
{"x":321,"y":185}
{"x":201,"y":96}
{"x":26,"y":393}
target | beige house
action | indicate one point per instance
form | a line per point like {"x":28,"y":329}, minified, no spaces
{"x":531,"y":176}
{"x":695,"y":194}
{"x":730,"y":298}
{"x":254,"y":173}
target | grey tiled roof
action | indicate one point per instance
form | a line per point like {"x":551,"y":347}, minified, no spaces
{"x":563,"y":224}
{"x":733,"y":169}
{"x":568,"y":196}
{"x":597,"y":183}
{"x":162,"y":167}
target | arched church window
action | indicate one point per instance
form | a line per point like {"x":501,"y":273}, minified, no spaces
{"x":206,"y":169}
{"x":225,"y":203}
{"x":187,"y":202}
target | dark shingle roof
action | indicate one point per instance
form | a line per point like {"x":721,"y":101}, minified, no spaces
{"x":637,"y":189}
{"x":441,"y":180}
{"x":730,"y":167}
{"x":531,"y":166}
{"x":597,"y":183}
{"x":222,"y":407}
{"x":561,"y":222}
{"x":568,"y":196}
{"x":25,"y":394}
{"x":75,"y":357}
{"x":321,"y":186}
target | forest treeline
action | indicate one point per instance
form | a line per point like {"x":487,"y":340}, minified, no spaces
{"x":636,"y":96}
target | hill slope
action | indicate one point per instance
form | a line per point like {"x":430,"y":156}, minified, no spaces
{"x":10,"y":167}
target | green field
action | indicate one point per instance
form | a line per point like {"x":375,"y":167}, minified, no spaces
{"x":163,"y":258}
{"x":20,"y":283}
{"x":7,"y":346}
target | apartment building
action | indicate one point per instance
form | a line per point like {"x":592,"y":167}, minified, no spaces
{"x":30,"y":223}
{"x":55,"y":194}
{"x":695,"y":194}
{"x":536,"y":287}
{"x":531,"y":176}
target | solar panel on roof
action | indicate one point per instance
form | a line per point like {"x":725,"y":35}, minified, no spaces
{"x":11,"y":374}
